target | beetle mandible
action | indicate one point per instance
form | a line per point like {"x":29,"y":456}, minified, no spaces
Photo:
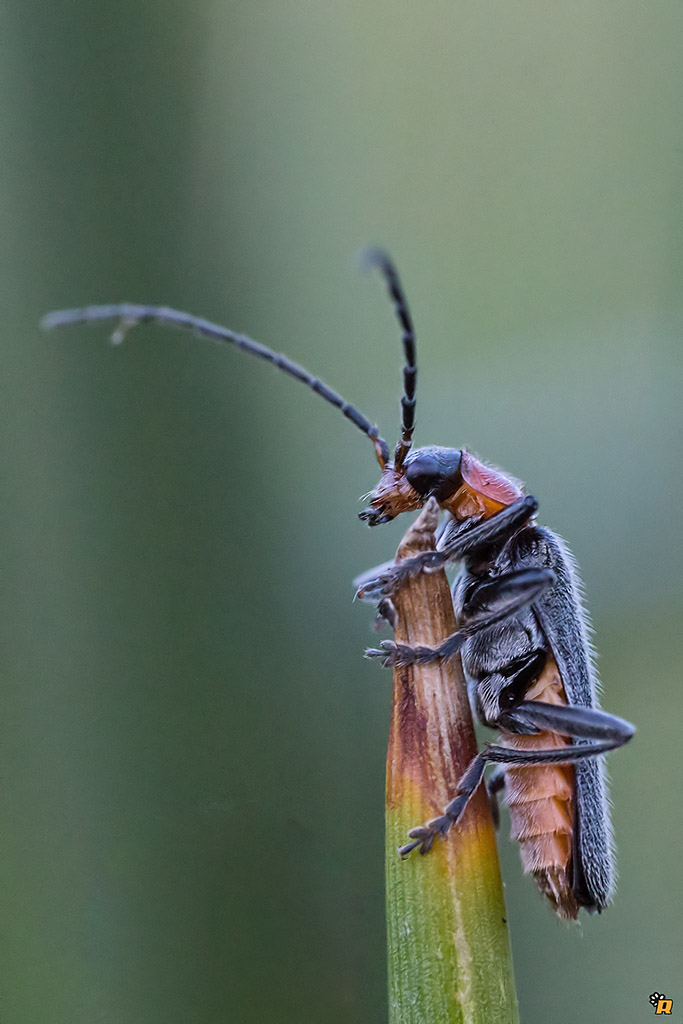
{"x":522,"y":629}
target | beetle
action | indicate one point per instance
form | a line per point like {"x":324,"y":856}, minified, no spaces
{"x":522,"y":629}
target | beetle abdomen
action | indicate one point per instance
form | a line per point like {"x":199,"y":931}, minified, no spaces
{"x":541,"y":802}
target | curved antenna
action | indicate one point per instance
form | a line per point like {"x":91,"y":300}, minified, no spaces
{"x":129,"y":315}
{"x":380,"y":259}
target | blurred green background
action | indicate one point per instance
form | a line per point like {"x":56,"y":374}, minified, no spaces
{"x":192,"y":748}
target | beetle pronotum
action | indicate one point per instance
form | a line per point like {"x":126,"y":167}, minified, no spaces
{"x":522,"y":632}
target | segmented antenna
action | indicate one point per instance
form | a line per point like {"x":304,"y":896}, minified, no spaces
{"x":378,"y":258}
{"x":129,"y":315}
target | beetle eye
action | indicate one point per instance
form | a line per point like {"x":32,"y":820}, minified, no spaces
{"x":423,"y":474}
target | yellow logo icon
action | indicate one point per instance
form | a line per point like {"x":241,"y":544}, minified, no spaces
{"x":661,"y":1003}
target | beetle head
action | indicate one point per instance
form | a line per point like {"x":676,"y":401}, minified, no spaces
{"x":464,"y":486}
{"x":425,"y":472}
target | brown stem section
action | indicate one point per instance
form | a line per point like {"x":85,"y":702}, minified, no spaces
{"x":432,"y":739}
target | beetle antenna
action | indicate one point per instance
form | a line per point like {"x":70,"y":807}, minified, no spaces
{"x":380,"y":259}
{"x":129,"y":315}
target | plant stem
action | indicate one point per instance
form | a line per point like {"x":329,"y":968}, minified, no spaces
{"x":448,"y":945}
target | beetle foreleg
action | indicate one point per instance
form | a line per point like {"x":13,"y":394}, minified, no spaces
{"x":455,"y":543}
{"x":391,"y":576}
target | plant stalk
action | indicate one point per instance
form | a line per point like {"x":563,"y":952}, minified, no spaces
{"x":448,"y":945}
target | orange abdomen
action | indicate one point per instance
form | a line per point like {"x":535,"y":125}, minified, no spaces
{"x":541,"y":802}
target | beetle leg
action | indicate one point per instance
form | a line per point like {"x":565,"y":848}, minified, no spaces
{"x":578,"y":722}
{"x":457,"y":543}
{"x":503,"y":596}
{"x":602,"y":732}
{"x":454,"y":543}
{"x":363,"y":582}
{"x":424,"y":835}
{"x":494,"y":784}
{"x":401,"y":655}
{"x":554,"y":755}
{"x":385,"y":613}
{"x":391,"y":576}
{"x":490,"y":602}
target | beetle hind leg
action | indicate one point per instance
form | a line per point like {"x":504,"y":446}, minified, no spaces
{"x":601,"y":732}
{"x":424,"y":835}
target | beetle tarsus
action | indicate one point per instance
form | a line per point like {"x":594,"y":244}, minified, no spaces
{"x":396,"y":575}
{"x":404,"y":851}
{"x":401,"y":655}
{"x":453,"y":811}
{"x":438,"y":828}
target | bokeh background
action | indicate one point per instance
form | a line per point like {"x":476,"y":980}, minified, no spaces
{"x":192,"y":748}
